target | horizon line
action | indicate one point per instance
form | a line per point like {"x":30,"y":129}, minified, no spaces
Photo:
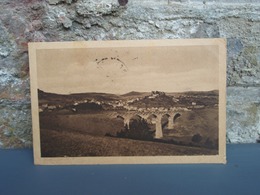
{"x":129,"y":92}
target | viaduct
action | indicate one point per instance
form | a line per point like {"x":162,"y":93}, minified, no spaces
{"x":152,"y":117}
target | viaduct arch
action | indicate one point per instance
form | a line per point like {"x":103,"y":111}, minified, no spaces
{"x":151,"y":117}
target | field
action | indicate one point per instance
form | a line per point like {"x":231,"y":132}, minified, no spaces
{"x":65,"y":143}
{"x":86,"y":124}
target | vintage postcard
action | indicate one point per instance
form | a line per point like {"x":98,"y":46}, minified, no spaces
{"x":129,"y":102}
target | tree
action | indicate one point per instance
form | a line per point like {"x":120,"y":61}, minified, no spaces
{"x":138,"y":129}
{"x":196,"y":138}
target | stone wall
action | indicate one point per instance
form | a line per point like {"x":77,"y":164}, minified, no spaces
{"x":22,"y":21}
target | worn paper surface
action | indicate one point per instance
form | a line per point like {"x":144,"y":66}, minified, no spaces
{"x":88,"y":96}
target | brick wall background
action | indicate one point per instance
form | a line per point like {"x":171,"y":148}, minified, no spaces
{"x":22,"y":21}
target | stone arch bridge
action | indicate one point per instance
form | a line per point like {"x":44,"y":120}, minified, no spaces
{"x":152,"y":117}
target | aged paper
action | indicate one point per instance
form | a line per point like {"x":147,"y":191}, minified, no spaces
{"x":129,"y":102}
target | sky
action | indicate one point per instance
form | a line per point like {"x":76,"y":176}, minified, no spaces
{"x":121,"y":70}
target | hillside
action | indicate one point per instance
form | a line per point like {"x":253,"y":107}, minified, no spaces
{"x":194,"y":93}
{"x":155,"y":99}
{"x":63,"y":143}
{"x":46,"y":96}
{"x":135,"y":93}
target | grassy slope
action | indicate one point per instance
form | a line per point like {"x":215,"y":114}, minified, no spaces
{"x":63,"y":143}
{"x":95,"y":124}
{"x":202,"y":121}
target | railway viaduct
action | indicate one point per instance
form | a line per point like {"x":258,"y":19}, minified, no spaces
{"x":152,"y":117}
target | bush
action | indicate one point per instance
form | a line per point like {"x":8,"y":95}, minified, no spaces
{"x":208,"y":143}
{"x":211,"y":144}
{"x":196,"y":138}
{"x":138,"y":129}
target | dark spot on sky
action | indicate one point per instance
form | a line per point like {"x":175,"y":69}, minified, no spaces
{"x":122,"y":64}
{"x":120,"y":61}
{"x":101,"y":61}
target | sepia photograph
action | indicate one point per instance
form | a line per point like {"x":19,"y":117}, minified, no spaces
{"x":129,"y":102}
